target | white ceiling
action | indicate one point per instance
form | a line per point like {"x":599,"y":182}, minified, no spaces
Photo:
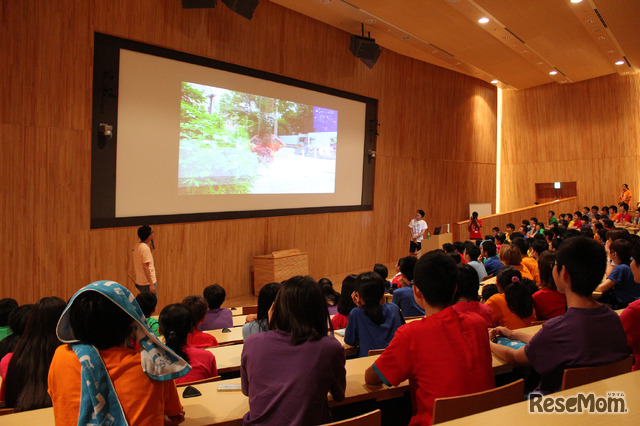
{"x":522,"y":42}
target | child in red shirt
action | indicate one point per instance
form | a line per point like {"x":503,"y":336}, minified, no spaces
{"x":444,"y":354}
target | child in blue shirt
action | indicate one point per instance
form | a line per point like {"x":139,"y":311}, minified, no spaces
{"x":372,"y":324}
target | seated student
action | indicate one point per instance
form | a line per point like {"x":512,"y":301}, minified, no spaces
{"x":552,"y":217}
{"x":266,"y":297}
{"x":513,"y":306}
{"x":148,"y":302}
{"x":176,"y":322}
{"x":95,"y":378}
{"x":466,"y":296}
{"x":588,"y":334}
{"x":330,"y":295}
{"x":491,"y":262}
{"x":459,"y":246}
{"x":548,"y":302}
{"x":287,"y":371}
{"x":396,"y":281}
{"x":620,"y":282}
{"x":532,"y":227}
{"x":488,"y":290}
{"x":630,"y":317}
{"x":624,"y":216}
{"x":7,"y":305}
{"x":403,"y":297}
{"x":604,"y":213}
{"x":495,"y":231}
{"x":636,"y":217}
{"x":373,"y":323}
{"x":510,"y":255}
{"x":443,"y":354}
{"x":529,"y":263}
{"x":511,"y":228}
{"x":17,"y":324}
{"x":216,"y":317}
{"x":471,"y":255}
{"x":345,"y":304}
{"x":382,"y":270}
{"x":24,"y":371}
{"x":198,"y":307}
{"x":594,"y":210}
{"x":613,"y":214}
{"x":538,"y":246}
{"x":501,"y":239}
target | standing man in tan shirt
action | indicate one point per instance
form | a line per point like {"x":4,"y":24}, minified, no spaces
{"x":143,"y":261}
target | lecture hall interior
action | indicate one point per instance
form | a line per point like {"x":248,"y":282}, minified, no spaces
{"x":448,"y":136}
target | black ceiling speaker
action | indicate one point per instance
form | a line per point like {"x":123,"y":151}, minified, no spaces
{"x":199,"y":4}
{"x":244,"y":8}
{"x":366,"y":49}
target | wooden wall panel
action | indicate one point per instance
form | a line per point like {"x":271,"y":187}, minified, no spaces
{"x":587,"y":132}
{"x":436,"y":148}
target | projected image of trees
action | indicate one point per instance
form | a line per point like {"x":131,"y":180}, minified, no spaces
{"x":239,"y":143}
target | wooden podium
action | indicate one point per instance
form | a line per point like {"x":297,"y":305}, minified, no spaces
{"x":435,"y":242}
{"x":278,"y":266}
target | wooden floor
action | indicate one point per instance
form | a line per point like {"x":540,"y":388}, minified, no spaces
{"x":251,"y":300}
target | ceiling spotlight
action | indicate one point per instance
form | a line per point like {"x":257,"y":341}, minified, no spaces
{"x":553,"y":72}
{"x":494,"y":81}
{"x":483,"y":20}
{"x":620,"y":62}
{"x":576,"y":1}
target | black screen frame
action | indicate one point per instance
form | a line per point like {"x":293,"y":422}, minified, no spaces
{"x":106,"y":64}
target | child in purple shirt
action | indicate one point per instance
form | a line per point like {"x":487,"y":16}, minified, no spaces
{"x":287,"y":371}
{"x":588,"y":334}
{"x":216,"y":317}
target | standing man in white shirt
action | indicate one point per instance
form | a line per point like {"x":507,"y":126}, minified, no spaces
{"x":418,"y":228}
{"x":143,"y":261}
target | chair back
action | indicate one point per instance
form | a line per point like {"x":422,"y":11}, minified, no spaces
{"x":374,"y":418}
{"x":579,"y":376}
{"x":375,"y":352}
{"x":454,"y":407}
{"x":198,"y":382}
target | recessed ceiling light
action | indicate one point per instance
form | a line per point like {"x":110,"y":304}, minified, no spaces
{"x":483,"y":20}
{"x":494,"y":81}
{"x":553,"y":72}
{"x":620,"y":62}
{"x":576,"y":1}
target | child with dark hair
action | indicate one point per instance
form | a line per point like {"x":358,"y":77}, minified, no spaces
{"x":513,"y":306}
{"x":475,"y":226}
{"x":345,"y":304}
{"x":96,"y":378}
{"x":176,"y":322}
{"x":588,"y":334}
{"x":382,"y":270}
{"x":266,"y":297}
{"x":148,"y":302}
{"x":630,"y":317}
{"x":300,"y":343}
{"x":330,"y":295}
{"x":489,"y":290}
{"x":24,"y":371}
{"x":471,"y":255}
{"x":459,"y":246}
{"x":492,"y":263}
{"x":17,"y":324}
{"x":527,"y":262}
{"x":216,"y":317}
{"x":7,"y":305}
{"x":466,"y":297}
{"x":620,"y":283}
{"x":403,"y":297}
{"x":372,"y":324}
{"x":443,"y":354}
{"x":198,"y":307}
{"x":548,"y":302}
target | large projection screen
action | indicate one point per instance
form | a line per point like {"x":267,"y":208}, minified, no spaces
{"x":196,"y":139}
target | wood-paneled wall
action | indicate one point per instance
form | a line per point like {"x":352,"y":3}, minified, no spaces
{"x":586,"y":132}
{"x":436,"y":148}
{"x":460,"y":230}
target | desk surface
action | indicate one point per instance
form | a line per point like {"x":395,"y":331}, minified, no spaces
{"x":239,"y":320}
{"x":519,"y":413}
{"x":234,"y":335}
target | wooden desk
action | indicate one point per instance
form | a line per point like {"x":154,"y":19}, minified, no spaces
{"x":239,"y":320}
{"x":234,"y":336}
{"x":519,"y":413}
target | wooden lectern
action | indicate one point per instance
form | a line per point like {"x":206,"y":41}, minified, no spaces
{"x":278,"y":266}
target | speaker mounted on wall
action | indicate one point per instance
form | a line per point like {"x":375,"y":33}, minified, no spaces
{"x":244,"y":8}
{"x":366,"y":49}
{"x":199,"y":4}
